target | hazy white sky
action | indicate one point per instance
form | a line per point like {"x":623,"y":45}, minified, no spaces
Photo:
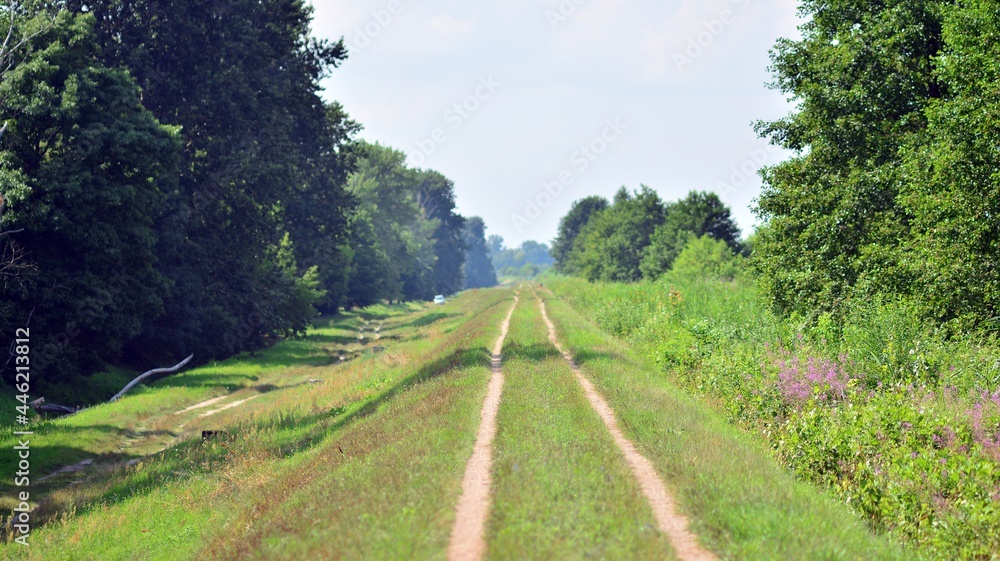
{"x":529,"y":105}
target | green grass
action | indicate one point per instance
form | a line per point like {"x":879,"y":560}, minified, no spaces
{"x":741,"y":502}
{"x":147,"y":411}
{"x":884,"y":412}
{"x":199,"y":490}
{"x":385,"y":487}
{"x":367,"y":463}
{"x":562,"y":489}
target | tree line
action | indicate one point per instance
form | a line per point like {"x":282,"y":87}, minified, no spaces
{"x":638,"y":236}
{"x":891,"y":194}
{"x":528,"y":261}
{"x":171,"y":182}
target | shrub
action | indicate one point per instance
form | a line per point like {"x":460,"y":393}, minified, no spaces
{"x":870,"y":402}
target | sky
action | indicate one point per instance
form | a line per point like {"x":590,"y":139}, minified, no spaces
{"x":529,"y":105}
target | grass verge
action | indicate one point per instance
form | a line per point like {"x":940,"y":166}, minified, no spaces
{"x":167,"y":506}
{"x":741,"y":503}
{"x":561,"y":488}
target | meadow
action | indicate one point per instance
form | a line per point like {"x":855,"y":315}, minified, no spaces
{"x":300,"y":430}
{"x":884,"y":412}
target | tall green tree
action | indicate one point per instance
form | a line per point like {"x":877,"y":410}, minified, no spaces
{"x":85,"y":170}
{"x":386,"y":190}
{"x":570,"y":227}
{"x":706,"y":257}
{"x":531,"y":256}
{"x":241,"y":78}
{"x":610,"y":246}
{"x":370,"y":266}
{"x":494,"y":244}
{"x":862,"y":77}
{"x":951,"y":186}
{"x":436,"y":197}
{"x":479,"y":272}
{"x":698,"y":214}
{"x":317,"y":214}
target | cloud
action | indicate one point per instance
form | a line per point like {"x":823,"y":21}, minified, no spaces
{"x":337,"y":17}
{"x":608,"y":58}
{"x":446,"y":25}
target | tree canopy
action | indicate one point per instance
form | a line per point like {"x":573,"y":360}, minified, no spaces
{"x":171,"y":182}
{"x":526,"y":261}
{"x":699,"y":214}
{"x":893,"y":188}
{"x":570,"y":227}
{"x":479,"y":272}
{"x":637,"y":235}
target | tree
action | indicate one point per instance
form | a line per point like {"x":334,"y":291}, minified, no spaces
{"x":370,"y":265}
{"x":495,"y":244}
{"x":862,"y":76}
{"x":696,"y":215}
{"x":951,"y":188}
{"x":85,"y":170}
{"x":610,"y":247}
{"x":17,"y":272}
{"x":706,"y":257}
{"x":318,"y":213}
{"x":436,"y":197}
{"x":513,"y":262}
{"x":387,"y":190}
{"x":570,"y":227}
{"x":479,"y":272}
{"x":241,"y":78}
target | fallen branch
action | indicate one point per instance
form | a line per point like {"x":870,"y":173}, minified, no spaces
{"x":152,"y":372}
{"x":53,"y":408}
{"x":40,"y":406}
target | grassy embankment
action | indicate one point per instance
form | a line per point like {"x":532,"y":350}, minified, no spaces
{"x":561,"y":488}
{"x":741,"y":503}
{"x":398,"y":424}
{"x":880,"y":410}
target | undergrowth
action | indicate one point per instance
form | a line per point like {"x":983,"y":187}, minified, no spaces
{"x":882,"y":410}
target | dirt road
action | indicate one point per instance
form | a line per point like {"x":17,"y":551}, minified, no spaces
{"x":467,"y":542}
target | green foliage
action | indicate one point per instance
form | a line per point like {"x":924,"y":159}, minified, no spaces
{"x":479,"y":270}
{"x":638,"y":236}
{"x":527,"y":261}
{"x":370,"y":273}
{"x":437,"y":200}
{"x":707,"y":257}
{"x":225,"y":228}
{"x":85,"y":172}
{"x":862,"y":75}
{"x":263,"y":156}
{"x":420,"y":250}
{"x":894,"y":188}
{"x":878,"y":406}
{"x":698,"y":214}
{"x":951,"y":188}
{"x":570,"y":227}
{"x":610,"y":245}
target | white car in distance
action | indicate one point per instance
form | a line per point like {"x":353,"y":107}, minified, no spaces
{"x":439,"y":299}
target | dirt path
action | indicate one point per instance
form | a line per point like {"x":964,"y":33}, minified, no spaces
{"x":205,"y":403}
{"x":671,"y":523}
{"x":67,"y":469}
{"x":467,"y":541}
{"x":229,"y":406}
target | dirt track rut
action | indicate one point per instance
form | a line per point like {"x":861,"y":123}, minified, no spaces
{"x":467,"y":536}
{"x":673,"y":524}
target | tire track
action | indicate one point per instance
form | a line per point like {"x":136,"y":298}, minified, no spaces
{"x":673,"y":524}
{"x":467,"y":541}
